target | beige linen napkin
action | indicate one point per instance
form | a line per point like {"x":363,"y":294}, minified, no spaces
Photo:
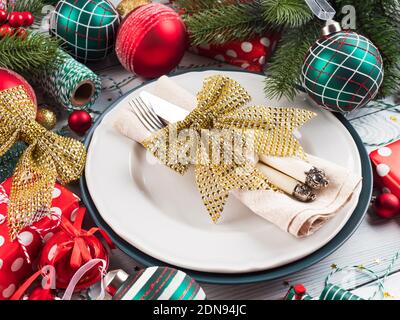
{"x":298,"y":218}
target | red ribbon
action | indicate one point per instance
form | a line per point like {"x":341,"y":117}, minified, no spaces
{"x":25,"y":286}
{"x":80,"y":241}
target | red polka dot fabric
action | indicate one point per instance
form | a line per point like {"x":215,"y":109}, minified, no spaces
{"x":250,"y":54}
{"x":14,"y":266}
{"x":386,"y":168}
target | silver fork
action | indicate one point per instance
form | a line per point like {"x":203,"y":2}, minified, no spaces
{"x":146,"y":114}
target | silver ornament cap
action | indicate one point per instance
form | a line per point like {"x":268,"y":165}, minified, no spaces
{"x":331,"y":26}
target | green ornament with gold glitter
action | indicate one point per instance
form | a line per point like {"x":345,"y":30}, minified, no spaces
{"x":343,"y":70}
{"x":86,"y":28}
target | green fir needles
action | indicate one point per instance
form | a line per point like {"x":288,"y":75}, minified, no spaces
{"x":27,"y":55}
{"x":220,"y":21}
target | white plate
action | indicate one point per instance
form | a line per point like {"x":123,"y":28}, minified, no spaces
{"x":161,"y":213}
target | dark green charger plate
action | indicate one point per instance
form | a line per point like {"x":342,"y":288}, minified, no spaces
{"x":251,"y":277}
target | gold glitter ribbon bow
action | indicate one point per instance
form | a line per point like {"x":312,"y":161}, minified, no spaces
{"x":221,"y":105}
{"x":48,"y":157}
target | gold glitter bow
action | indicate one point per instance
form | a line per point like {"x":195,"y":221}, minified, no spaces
{"x":48,"y":157}
{"x":220,"y":106}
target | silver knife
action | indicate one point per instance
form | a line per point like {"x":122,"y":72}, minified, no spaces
{"x":164,"y":109}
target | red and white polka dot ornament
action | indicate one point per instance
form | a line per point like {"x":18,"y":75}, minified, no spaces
{"x":151,"y":41}
{"x":250,"y":55}
{"x":386,"y":169}
{"x":387,"y":177}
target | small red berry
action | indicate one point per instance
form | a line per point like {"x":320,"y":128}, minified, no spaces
{"x":29,"y":19}
{"x":3,"y":16}
{"x":5,"y":30}
{"x":16,"y":19}
{"x":21,"y":33}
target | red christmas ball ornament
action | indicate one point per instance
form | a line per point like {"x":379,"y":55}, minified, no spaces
{"x":3,"y":16}
{"x":80,"y":121}
{"x":40,"y":293}
{"x":69,"y":249}
{"x":29,"y":19}
{"x":10,"y":79}
{"x":16,"y":19}
{"x":151,"y":40}
{"x":386,"y":205}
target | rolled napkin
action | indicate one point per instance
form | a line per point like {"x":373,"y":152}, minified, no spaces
{"x":287,"y":184}
{"x":297,"y":218}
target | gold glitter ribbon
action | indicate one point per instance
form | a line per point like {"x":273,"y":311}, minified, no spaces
{"x":48,"y":157}
{"x":221,"y":105}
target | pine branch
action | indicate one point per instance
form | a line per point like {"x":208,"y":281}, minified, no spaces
{"x":231,"y":22}
{"x":284,"y":69}
{"x":26,"y":56}
{"x":194,"y":6}
{"x":286,"y":13}
{"x":384,"y":33}
{"x":210,"y":22}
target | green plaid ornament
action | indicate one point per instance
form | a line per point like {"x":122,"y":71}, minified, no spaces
{"x":87,"y":28}
{"x":342,"y":71}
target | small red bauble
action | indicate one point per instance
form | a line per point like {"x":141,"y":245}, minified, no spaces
{"x":40,"y":293}
{"x":21,"y":33}
{"x":29,"y":19}
{"x":5,"y":30}
{"x":151,"y":40}
{"x":16,"y":19}
{"x":80,"y":121}
{"x":3,"y":16}
{"x":10,"y":79}
{"x":386,"y":205}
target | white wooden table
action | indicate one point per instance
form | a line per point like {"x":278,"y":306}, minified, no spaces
{"x":373,"y":244}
